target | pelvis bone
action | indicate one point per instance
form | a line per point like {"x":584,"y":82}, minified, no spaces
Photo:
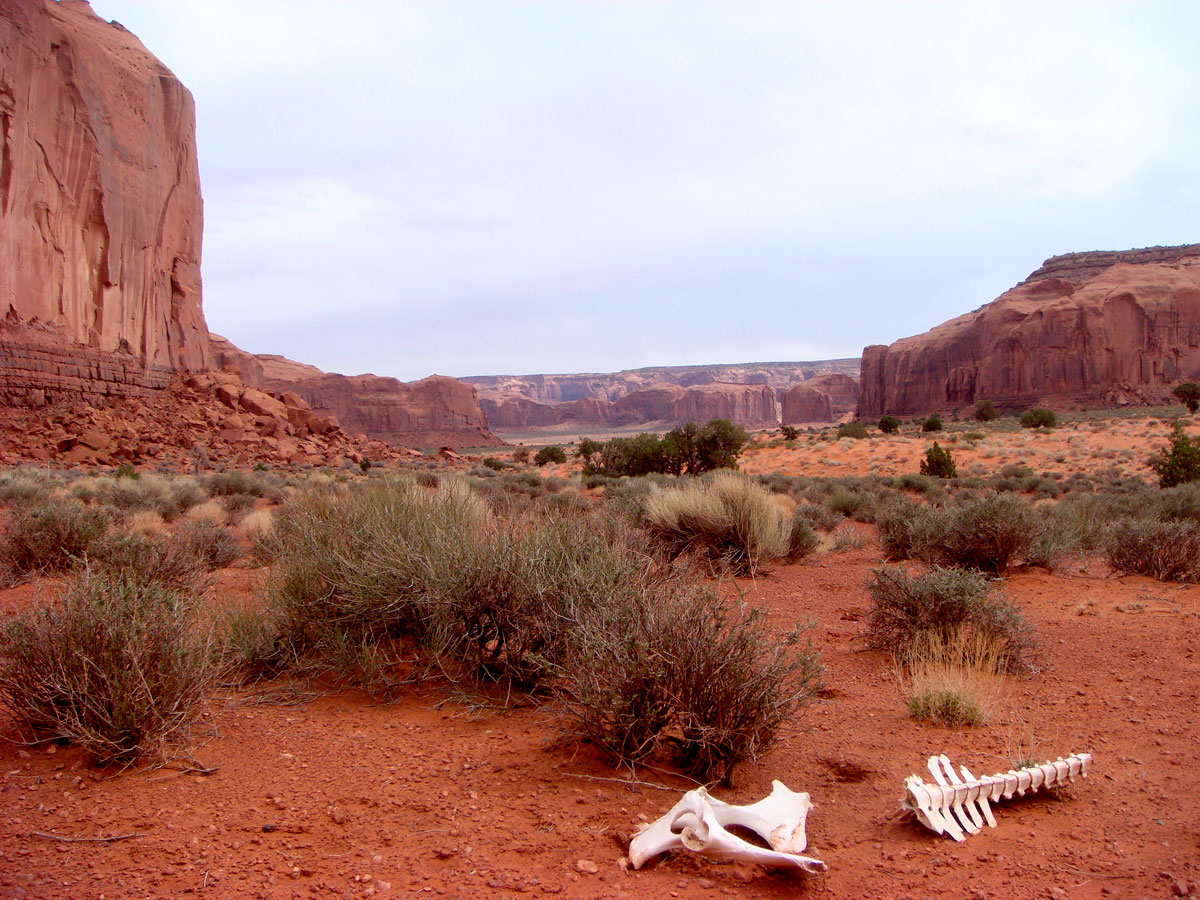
{"x":960,"y":806}
{"x":699,"y":822}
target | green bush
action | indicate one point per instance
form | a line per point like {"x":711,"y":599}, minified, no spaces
{"x":856,"y":430}
{"x":945,"y":603}
{"x":933,"y":423}
{"x":1181,"y":463}
{"x":789,"y":432}
{"x":550,"y":455}
{"x":1038,"y":417}
{"x":690,"y":449}
{"x":726,"y":517}
{"x":938,"y":463}
{"x":118,"y":667}
{"x":889,"y":424}
{"x":494,"y":464}
{"x":1188,"y":394}
{"x":1167,"y":551}
{"x":985,"y":411}
{"x":51,"y":536}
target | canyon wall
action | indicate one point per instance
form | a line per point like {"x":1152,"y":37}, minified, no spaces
{"x":1085,"y":329}
{"x":100,"y":210}
{"x":433,"y":412}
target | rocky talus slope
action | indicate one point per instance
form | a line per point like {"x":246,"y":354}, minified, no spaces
{"x":1085,"y":329}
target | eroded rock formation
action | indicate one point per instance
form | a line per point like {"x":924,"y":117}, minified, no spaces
{"x":100,"y":210}
{"x":431,"y":412}
{"x":1086,"y":329}
{"x":825,"y":398}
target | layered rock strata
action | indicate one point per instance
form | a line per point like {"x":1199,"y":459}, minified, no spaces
{"x":1085,"y":329}
{"x":100,"y":210}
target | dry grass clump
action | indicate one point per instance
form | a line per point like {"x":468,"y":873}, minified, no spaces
{"x":946,"y":604}
{"x":257,"y":523}
{"x":209,"y":511}
{"x":117,"y":667}
{"x":726,"y":517}
{"x":955,"y":680}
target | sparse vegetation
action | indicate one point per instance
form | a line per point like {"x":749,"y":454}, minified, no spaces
{"x":985,"y":411}
{"x":1180,"y":463}
{"x":117,"y":667}
{"x":1166,"y":550}
{"x":932,"y":423}
{"x":938,"y":463}
{"x":51,"y":535}
{"x":889,"y":424}
{"x":950,"y":605}
{"x":1038,"y":417}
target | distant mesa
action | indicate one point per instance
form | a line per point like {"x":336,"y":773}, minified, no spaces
{"x":748,"y":394}
{"x":1102,"y":329}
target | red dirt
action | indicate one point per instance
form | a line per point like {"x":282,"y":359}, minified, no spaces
{"x":340,"y":796}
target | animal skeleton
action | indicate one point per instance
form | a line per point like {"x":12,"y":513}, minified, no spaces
{"x":699,"y":821}
{"x":955,"y":805}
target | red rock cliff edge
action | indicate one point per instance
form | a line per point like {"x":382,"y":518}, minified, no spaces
{"x":100,"y":210}
{"x":1086,"y":329}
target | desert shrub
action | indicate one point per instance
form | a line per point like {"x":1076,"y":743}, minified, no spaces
{"x":938,"y":463}
{"x":986,"y":533}
{"x":918,"y":484}
{"x":802,"y":539}
{"x":117,"y":667}
{"x":492,"y":463}
{"x":1188,"y":394}
{"x":906,"y":529}
{"x":985,"y":411}
{"x":242,"y":481}
{"x":1180,"y":463}
{"x":27,"y":484}
{"x":856,"y":430}
{"x":1181,"y":502}
{"x":946,"y":605}
{"x":550,"y":455}
{"x":847,"y":537}
{"x":50,"y":536}
{"x":711,"y":681}
{"x":238,"y":505}
{"x":1054,"y":537}
{"x":211,"y":545}
{"x":727,"y":517}
{"x":690,"y":449}
{"x":945,"y":706}
{"x":818,"y":517}
{"x":889,"y":424}
{"x":247,"y":644}
{"x":1038,"y":417}
{"x":1167,"y":551}
{"x":135,"y":557}
{"x":789,"y":432}
{"x":952,"y":681}
{"x":932,"y":423}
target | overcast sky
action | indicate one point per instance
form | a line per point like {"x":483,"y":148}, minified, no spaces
{"x":495,"y":187}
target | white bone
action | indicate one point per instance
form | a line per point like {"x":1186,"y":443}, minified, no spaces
{"x":698,"y":822}
{"x":711,"y":839}
{"x":952,"y":802}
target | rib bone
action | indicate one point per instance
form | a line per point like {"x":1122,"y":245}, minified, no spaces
{"x":699,"y":821}
{"x":953,"y":805}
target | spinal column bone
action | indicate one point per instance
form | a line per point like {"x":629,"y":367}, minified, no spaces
{"x":953,"y":805}
{"x":698,"y":822}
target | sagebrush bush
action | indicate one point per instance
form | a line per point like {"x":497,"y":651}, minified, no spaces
{"x":1165,"y":550}
{"x":557,"y":598}
{"x":243,"y":481}
{"x":987,"y":533}
{"x":856,"y":430}
{"x":802,"y":539}
{"x":1038,"y":417}
{"x":727,"y":517}
{"x":212,"y":545}
{"x":50,"y":536}
{"x":135,"y":557}
{"x":947,"y":604}
{"x":117,"y":667}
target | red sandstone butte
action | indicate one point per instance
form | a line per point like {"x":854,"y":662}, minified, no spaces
{"x":100,"y":210}
{"x":1086,"y":329}
{"x":823,"y":399}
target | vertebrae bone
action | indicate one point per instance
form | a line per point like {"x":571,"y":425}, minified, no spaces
{"x":956,"y":805}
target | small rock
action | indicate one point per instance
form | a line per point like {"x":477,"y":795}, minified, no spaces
{"x":587,"y":867}
{"x":707,"y":883}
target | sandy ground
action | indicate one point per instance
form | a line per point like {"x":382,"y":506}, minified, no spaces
{"x":336,"y":795}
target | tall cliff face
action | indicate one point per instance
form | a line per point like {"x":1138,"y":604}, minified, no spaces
{"x":1103,"y":329}
{"x":822,"y":399}
{"x":100,"y":210}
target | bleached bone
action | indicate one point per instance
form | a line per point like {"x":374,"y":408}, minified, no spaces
{"x":953,"y":805}
{"x":698,"y":823}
